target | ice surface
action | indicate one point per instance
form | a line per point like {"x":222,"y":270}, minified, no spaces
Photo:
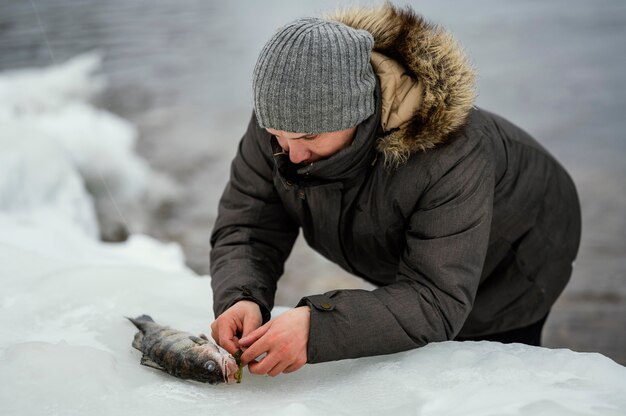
{"x":65,"y":346}
{"x":65,"y":349}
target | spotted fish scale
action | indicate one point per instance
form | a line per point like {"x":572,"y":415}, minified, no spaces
{"x":182,"y":354}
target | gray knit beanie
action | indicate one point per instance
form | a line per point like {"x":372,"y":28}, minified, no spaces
{"x":314,"y":76}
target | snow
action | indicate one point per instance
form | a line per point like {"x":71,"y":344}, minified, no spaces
{"x":65,"y":346}
{"x":47,"y":122}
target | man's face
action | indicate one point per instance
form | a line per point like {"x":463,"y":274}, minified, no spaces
{"x":308,"y":148}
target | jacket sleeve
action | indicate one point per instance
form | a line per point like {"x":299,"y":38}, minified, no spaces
{"x":253,"y":234}
{"x":437,"y":279}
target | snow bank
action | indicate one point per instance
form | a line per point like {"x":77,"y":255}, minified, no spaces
{"x":47,"y":126}
{"x":65,"y":347}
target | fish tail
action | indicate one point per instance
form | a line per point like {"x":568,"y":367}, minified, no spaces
{"x":140,"y":321}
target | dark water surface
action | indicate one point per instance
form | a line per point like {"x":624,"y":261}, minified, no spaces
{"x":180,"y":70}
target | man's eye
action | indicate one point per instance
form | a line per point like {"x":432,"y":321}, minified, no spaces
{"x":310,"y":137}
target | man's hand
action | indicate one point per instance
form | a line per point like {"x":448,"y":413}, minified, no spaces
{"x":284,"y":339}
{"x":241,"y":318}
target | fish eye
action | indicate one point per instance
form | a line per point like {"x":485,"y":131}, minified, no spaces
{"x":210,"y":366}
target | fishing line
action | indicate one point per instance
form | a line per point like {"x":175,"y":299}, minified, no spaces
{"x":43,"y":31}
{"x":102,"y":179}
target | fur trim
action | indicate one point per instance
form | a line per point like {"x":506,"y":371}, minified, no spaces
{"x":431,"y":55}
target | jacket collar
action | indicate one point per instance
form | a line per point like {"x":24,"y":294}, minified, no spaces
{"x":430,"y":55}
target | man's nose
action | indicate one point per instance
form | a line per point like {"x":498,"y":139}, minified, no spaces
{"x":298,"y":152}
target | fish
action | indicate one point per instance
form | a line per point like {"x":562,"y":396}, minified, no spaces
{"x":182,"y":354}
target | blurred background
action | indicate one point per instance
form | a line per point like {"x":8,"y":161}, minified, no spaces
{"x":180,"y":71}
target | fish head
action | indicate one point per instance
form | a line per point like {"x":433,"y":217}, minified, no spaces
{"x":213,"y":367}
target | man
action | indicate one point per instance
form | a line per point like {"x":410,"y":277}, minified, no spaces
{"x":366,"y":137}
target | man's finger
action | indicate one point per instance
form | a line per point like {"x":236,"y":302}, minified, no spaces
{"x":253,"y":351}
{"x":215,"y":331}
{"x":265,"y":365}
{"x":253,"y":336}
{"x":230,"y":345}
{"x":227,"y":340}
{"x":294,"y":367}
{"x":278,"y":368}
{"x":249,"y":325}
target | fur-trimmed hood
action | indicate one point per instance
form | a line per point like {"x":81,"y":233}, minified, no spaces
{"x":433,"y":58}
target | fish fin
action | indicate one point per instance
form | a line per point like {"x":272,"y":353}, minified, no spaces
{"x":203,"y":336}
{"x":199,"y":341}
{"x":145,"y":360}
{"x":138,"y":340}
{"x":140,"y":320}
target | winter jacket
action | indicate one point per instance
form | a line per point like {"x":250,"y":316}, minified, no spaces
{"x":464,"y":222}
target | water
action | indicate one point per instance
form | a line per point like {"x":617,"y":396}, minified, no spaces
{"x":180,"y":71}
